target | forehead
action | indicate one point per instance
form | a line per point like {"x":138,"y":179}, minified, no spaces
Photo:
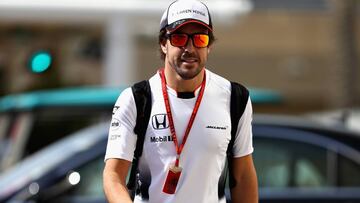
{"x":192,"y":28}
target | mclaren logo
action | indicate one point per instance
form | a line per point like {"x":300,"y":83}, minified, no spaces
{"x":159,"y":121}
{"x":217,"y":127}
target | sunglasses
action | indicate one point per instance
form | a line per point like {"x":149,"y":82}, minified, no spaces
{"x":181,"y":40}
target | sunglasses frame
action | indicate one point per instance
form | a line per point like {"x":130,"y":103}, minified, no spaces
{"x":189,"y":36}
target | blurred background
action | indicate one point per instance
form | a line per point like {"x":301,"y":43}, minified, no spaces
{"x":305,"y":52}
{"x":304,"y":49}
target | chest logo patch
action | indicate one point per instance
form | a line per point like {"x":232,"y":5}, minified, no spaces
{"x":160,"y":121}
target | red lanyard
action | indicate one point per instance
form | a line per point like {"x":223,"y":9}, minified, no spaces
{"x":171,"y":121}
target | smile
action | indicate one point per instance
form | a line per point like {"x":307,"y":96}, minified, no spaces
{"x":189,"y":60}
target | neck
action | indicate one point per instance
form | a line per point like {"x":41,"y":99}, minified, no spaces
{"x":179,"y":84}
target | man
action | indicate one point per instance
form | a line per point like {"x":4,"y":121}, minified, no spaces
{"x":184,"y":151}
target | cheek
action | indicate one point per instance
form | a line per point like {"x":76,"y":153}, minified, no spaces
{"x":204,"y":54}
{"x":173,"y":52}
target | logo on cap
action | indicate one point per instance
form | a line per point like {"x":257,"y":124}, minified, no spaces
{"x":181,"y":11}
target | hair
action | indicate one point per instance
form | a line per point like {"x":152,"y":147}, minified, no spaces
{"x":162,"y":39}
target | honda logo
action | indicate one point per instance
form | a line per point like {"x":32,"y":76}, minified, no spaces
{"x":159,"y":121}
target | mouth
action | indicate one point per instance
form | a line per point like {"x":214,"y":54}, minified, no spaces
{"x":189,"y":60}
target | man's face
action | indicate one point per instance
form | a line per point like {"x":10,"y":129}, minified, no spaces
{"x":187,"y":61}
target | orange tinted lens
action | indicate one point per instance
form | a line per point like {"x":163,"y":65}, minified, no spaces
{"x":201,"y":40}
{"x":178,"y":40}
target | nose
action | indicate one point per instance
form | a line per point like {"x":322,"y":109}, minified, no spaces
{"x":189,"y":45}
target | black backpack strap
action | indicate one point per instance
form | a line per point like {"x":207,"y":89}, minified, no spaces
{"x":142,"y":96}
{"x":239,"y":99}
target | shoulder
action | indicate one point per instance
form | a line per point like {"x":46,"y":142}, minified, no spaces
{"x":128,"y":93}
{"x":218,"y":81}
{"x":155,"y":85}
{"x":155,"y":80}
{"x":125,"y":103}
{"x":125,"y":96}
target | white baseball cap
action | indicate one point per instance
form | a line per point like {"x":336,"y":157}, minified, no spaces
{"x":182,"y":12}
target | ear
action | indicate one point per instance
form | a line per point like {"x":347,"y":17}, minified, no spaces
{"x":163,"y":46}
{"x":209,"y":49}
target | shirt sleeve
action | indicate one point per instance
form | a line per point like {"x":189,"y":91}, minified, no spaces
{"x":243,"y":144}
{"x":122,"y":139}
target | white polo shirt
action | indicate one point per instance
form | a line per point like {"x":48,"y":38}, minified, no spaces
{"x":203,"y":157}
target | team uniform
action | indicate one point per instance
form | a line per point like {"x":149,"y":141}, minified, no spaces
{"x":204,"y":154}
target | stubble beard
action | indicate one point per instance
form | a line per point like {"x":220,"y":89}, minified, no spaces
{"x":187,"y":73}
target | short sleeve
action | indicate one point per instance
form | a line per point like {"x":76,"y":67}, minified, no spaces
{"x":122,"y":139}
{"x":243,"y":144}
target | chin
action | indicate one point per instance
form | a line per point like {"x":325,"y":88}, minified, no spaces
{"x":189,"y":65}
{"x":187,"y":73}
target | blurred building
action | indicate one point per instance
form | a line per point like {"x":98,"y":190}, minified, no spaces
{"x":295,"y":47}
{"x":75,"y":51}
